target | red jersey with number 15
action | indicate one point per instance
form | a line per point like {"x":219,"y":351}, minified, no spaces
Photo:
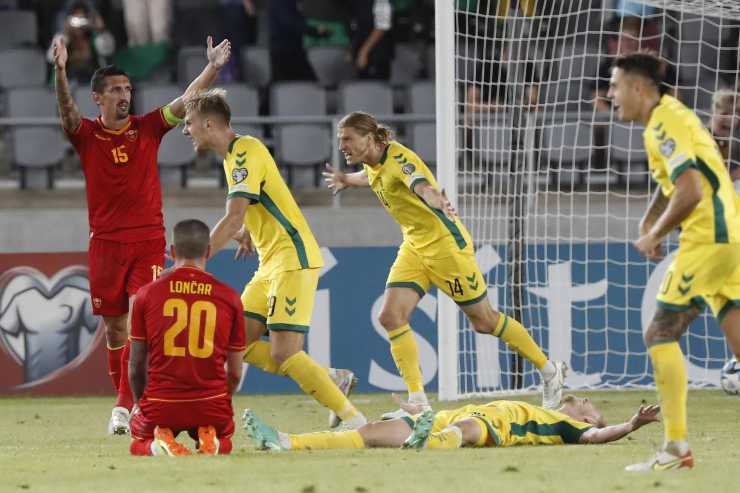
{"x":189,"y":320}
{"x":124,"y":197}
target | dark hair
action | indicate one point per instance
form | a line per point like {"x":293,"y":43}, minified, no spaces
{"x":210,"y":102}
{"x":191,"y":238}
{"x":97,"y":83}
{"x":644,"y":64}
{"x":365,"y":123}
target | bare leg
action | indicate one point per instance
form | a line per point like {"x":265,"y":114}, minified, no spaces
{"x":730,"y":325}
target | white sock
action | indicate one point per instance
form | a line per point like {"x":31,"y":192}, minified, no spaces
{"x":548,"y":371}
{"x":355,"y":421}
{"x":153,"y":447}
{"x":677,"y":447}
{"x":284,"y":440}
{"x":418,"y":398}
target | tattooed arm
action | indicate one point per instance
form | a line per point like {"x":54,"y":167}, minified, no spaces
{"x":68,"y":111}
{"x":656,"y":208}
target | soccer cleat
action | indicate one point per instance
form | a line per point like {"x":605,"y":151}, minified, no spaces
{"x":263,"y":436}
{"x":118,"y":424}
{"x":165,"y":444}
{"x":207,"y":440}
{"x":552,"y":390}
{"x":663,"y":461}
{"x":422,"y":428}
{"x":345,"y":381}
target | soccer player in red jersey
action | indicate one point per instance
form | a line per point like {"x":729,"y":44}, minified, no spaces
{"x":184,"y":327}
{"x":119,"y":159}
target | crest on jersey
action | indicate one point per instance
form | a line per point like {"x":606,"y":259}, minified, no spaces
{"x":667,"y":147}
{"x":239,"y":174}
{"x":131,"y":134}
{"x":408,"y":169}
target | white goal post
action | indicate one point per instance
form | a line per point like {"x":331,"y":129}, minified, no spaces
{"x":552,"y":186}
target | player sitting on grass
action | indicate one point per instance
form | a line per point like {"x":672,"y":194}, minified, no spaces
{"x":496,"y":424}
{"x":187,"y":345}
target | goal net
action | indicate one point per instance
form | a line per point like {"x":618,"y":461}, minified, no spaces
{"x":552,"y":186}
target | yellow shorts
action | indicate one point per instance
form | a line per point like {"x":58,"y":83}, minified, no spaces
{"x":702,"y":274}
{"x":283,"y":302}
{"x":457,"y":275}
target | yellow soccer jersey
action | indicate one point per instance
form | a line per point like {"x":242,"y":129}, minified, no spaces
{"x":675,"y":140}
{"x":427,"y":230}
{"x":518,"y":423}
{"x":279,"y":231}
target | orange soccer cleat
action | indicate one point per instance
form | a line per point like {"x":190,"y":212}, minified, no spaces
{"x":165,"y":443}
{"x":207,"y":441}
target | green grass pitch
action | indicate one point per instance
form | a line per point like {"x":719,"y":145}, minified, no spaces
{"x":59,"y":445}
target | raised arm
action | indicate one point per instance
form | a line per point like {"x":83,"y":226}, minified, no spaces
{"x":645,"y":415}
{"x":217,"y":58}
{"x":68,"y":111}
{"x":337,"y":180}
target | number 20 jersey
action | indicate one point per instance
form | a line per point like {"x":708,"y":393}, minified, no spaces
{"x":189,"y":321}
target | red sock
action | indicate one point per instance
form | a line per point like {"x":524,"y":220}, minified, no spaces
{"x":141,"y":447}
{"x":114,"y":365}
{"x":224,"y":446}
{"x":124,"y":398}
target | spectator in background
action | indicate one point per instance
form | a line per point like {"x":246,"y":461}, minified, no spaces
{"x":87,"y":40}
{"x":287,"y":26}
{"x":628,"y":41}
{"x":372,"y":43}
{"x":725,"y":128}
{"x":147,"y":21}
{"x":239,"y":23}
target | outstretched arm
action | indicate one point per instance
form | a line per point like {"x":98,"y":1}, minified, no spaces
{"x":68,"y":111}
{"x":337,"y":180}
{"x":645,"y":415}
{"x":217,"y":58}
{"x":435,"y":199}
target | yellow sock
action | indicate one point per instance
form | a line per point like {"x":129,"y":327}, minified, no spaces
{"x":517,"y":338}
{"x":406,"y":355}
{"x":672,"y":383}
{"x":450,"y":437}
{"x":314,"y":380}
{"x":327,"y":440}
{"x":258,"y":354}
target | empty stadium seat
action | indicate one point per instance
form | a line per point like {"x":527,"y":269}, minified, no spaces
{"x":256,"y":66}
{"x":176,"y":150}
{"x":22,"y":67}
{"x":300,"y":144}
{"x":190,"y":63}
{"x":332,"y":64}
{"x":19,"y":28}
{"x":421,"y":97}
{"x":371,"y":96}
{"x":35,"y":147}
{"x":407,"y":64}
{"x":83,"y":97}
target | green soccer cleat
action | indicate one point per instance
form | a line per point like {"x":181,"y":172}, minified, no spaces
{"x":263,"y":436}
{"x":422,"y":428}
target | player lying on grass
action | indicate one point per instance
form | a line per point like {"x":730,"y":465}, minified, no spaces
{"x":495,"y":424}
{"x":187,"y":345}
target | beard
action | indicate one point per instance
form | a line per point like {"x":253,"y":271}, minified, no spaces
{"x":122,"y":112}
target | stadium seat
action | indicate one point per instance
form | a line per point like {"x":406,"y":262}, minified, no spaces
{"x":332,"y":64}
{"x":567,"y":145}
{"x":421,"y":98}
{"x":490,"y":141}
{"x":628,"y":150}
{"x":41,"y":147}
{"x":422,"y":135}
{"x":19,"y":28}
{"x":244,"y":101}
{"x":176,"y":150}
{"x":301,"y":144}
{"x":83,"y":97}
{"x":256,"y":66}
{"x":407,"y":64}
{"x":375,"y":97}
{"x":22,"y":67}
{"x":190,"y":63}
{"x":424,"y":141}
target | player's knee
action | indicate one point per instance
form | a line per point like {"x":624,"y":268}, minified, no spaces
{"x":369,"y":433}
{"x":116,"y":330}
{"x":484,"y":322}
{"x":391,"y":319}
{"x":281,"y":354}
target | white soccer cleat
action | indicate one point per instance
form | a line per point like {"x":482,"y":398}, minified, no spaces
{"x":345,"y":381}
{"x":402,"y":413}
{"x":552,"y":390}
{"x":118,"y":424}
{"x":663,"y":461}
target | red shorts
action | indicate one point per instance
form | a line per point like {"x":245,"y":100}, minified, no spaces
{"x":118,"y":270}
{"x":183,"y":416}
